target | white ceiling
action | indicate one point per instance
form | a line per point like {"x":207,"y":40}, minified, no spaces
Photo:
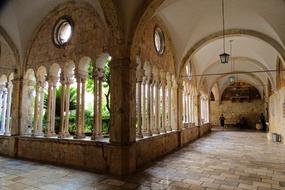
{"x":190,"y":21}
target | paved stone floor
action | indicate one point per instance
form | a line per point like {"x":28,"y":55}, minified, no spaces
{"x":222,"y":160}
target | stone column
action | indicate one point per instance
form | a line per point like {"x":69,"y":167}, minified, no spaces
{"x":39,"y":130}
{"x":80,"y":104}
{"x":197,"y":110}
{"x":16,"y":106}
{"x":180,"y":106}
{"x":64,"y":110}
{"x":122,"y":128}
{"x":169,"y":124}
{"x":192,"y":109}
{"x":163,"y":115}
{"x":36,"y":109}
{"x":174,"y":105}
{"x":95,"y":106}
{"x":149,"y":106}
{"x":144,"y":127}
{"x":1,"y":104}
{"x":156,"y":98}
{"x":151,"y":102}
{"x":139,"y":76}
{"x":4,"y":109}
{"x":100,"y":80}
{"x":53,"y":110}
{"x":50,"y":132}
{"x":8,"y":113}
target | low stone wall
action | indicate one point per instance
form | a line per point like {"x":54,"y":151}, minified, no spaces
{"x":189,"y":134}
{"x":88,"y":155}
{"x":7,"y":146}
{"x":150,"y":149}
{"x":96,"y":156}
{"x":204,"y":129}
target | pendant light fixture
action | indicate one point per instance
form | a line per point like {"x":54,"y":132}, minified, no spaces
{"x":231,"y":78}
{"x":224,"y":57}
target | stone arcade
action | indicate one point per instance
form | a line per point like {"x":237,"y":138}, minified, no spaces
{"x":110,"y":86}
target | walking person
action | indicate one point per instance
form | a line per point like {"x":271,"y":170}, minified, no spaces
{"x":222,"y":120}
{"x":263,"y":122}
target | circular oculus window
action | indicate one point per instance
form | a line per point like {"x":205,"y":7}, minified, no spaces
{"x":159,"y":41}
{"x":63,"y":31}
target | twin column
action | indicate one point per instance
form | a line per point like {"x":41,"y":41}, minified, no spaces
{"x":153,"y":107}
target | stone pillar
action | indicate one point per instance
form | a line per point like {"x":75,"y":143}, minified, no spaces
{"x":156,"y":99}
{"x":36,"y":109}
{"x":174,"y":105}
{"x":80,"y":104}
{"x":169,"y":115}
{"x":16,"y":107}
{"x":163,"y":115}
{"x":123,"y":118}
{"x":4,"y":109}
{"x":39,"y":131}
{"x":180,"y":105}
{"x":197,"y":110}
{"x":50,"y":132}
{"x":1,"y":104}
{"x":152,"y":104}
{"x":144,"y":126}
{"x":149,"y":106}
{"x":95,"y":105}
{"x":64,"y":110}
{"x":100,"y":80}
{"x":8,"y":113}
{"x":139,"y":76}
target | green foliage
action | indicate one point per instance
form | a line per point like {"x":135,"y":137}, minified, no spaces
{"x":89,"y":112}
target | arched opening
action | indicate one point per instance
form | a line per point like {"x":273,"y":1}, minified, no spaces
{"x":28,"y":94}
{"x":241,"y":105}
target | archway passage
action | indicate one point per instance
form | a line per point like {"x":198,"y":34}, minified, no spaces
{"x":241,"y":104}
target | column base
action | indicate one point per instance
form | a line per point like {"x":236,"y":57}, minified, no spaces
{"x":63,"y":135}
{"x":79,"y":136}
{"x":96,"y":136}
{"x":156,"y":132}
{"x":7,"y":133}
{"x":147,"y":134}
{"x":38,"y":134}
{"x":50,"y":135}
{"x":139,"y":135}
{"x":163,"y":131}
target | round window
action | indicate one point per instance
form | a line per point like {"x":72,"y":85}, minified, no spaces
{"x":63,"y":31}
{"x":159,"y":40}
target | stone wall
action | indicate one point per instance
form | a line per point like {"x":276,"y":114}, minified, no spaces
{"x":277,"y":113}
{"x":96,"y":156}
{"x":89,"y":37}
{"x":166,"y":61}
{"x":149,"y":149}
{"x":232,"y":111}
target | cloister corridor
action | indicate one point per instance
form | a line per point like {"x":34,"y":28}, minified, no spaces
{"x":221,"y":160}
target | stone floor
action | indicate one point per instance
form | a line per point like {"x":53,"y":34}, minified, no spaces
{"x":222,"y":160}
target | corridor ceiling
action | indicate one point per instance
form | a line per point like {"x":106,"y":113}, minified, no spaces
{"x":257,"y":28}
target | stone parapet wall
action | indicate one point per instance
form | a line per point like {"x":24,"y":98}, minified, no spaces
{"x":204,"y":129}
{"x":7,"y":146}
{"x":149,"y":149}
{"x":97,"y":156}
{"x":189,"y":134}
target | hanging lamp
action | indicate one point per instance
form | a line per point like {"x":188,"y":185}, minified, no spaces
{"x":232,"y":78}
{"x":224,"y":57}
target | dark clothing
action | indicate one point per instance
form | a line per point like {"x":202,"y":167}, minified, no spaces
{"x":263,"y":122}
{"x":222,"y":121}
